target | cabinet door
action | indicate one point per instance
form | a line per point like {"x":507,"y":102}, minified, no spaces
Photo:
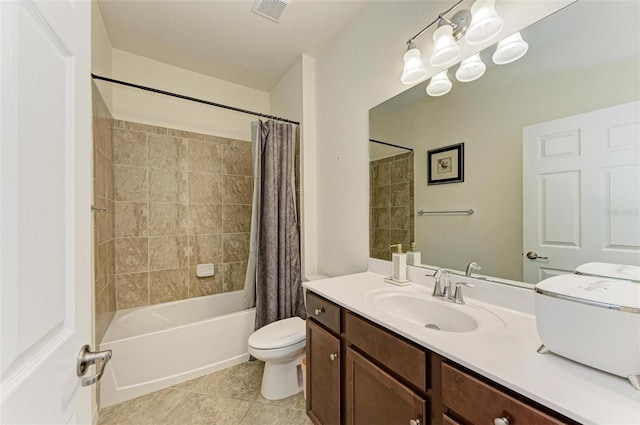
{"x":375,"y":397}
{"x":323,"y":370}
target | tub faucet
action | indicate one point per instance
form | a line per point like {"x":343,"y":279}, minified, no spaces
{"x":471,"y":267}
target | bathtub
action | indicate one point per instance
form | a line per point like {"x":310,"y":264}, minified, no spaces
{"x":165,"y":344}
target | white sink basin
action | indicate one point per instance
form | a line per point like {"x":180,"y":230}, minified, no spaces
{"x":419,"y":308}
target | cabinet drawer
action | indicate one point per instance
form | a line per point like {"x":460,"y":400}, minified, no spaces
{"x":402,"y":358}
{"x":478,"y":402}
{"x":447,"y":420}
{"x":323,"y":311}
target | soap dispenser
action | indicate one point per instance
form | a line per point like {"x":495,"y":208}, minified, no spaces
{"x":399,"y":266}
{"x":413,"y":256}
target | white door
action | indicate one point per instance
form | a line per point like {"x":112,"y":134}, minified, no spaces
{"x":581,"y":191}
{"x":45,"y":199}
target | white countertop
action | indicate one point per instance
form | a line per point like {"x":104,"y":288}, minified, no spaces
{"x":506,"y":355}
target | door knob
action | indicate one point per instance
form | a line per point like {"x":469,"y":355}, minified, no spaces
{"x":86,"y":358}
{"x":534,"y":256}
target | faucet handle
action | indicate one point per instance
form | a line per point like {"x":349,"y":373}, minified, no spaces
{"x":457,"y":296}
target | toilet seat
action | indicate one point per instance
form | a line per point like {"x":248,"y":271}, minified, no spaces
{"x":279,"y":334}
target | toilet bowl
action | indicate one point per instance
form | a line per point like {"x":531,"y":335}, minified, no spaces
{"x":281,"y":345}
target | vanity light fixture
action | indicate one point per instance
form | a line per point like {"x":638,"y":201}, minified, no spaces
{"x":477,"y":26}
{"x":439,"y":84}
{"x":485,"y":22}
{"x":445,"y":49}
{"x":414,"y":70}
{"x":510,"y":49}
{"x":471,"y":69}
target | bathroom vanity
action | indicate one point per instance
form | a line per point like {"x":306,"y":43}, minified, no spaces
{"x":371,"y":364}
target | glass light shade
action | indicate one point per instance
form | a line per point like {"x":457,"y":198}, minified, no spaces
{"x":439,"y":84}
{"x":485,"y":22}
{"x":510,"y":49}
{"x":471,"y":69}
{"x":445,"y":49}
{"x":414,"y":69}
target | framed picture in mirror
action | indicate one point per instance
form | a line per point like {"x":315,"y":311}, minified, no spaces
{"x":445,"y":165}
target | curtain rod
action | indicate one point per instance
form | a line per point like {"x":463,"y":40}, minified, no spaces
{"x":390,"y":144}
{"x":193,"y":99}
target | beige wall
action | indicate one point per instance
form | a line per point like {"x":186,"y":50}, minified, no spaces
{"x":182,"y":199}
{"x":359,"y":70}
{"x":489,"y":117}
{"x":138,"y":106}
{"x":101,"y":53}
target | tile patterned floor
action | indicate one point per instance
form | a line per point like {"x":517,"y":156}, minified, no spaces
{"x":230,"y":396}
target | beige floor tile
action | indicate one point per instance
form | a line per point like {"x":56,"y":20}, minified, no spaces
{"x":294,"y":402}
{"x":241,"y":382}
{"x":146,"y":410}
{"x":200,"y":409}
{"x":265,"y":414}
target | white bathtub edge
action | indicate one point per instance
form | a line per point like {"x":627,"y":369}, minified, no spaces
{"x":133,"y":391}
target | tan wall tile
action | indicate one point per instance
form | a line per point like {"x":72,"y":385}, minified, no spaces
{"x":381,"y":218}
{"x":131,"y":219}
{"x":237,"y":161}
{"x":399,"y":194}
{"x":200,"y":286}
{"x":130,"y":147}
{"x":167,"y":219}
{"x":167,"y":152}
{"x":168,"y":252}
{"x":131,"y":255}
{"x":100,"y":221}
{"x":130,"y":183}
{"x":185,"y":134}
{"x":205,"y":188}
{"x":110,"y":214}
{"x":205,"y":249}
{"x":105,"y":307}
{"x":132,"y":290}
{"x":168,"y":285}
{"x":234,"y":276}
{"x":399,"y":218}
{"x":146,"y":128}
{"x":235,"y":247}
{"x":100,"y":172}
{"x":109,"y":184}
{"x":238,"y":190}
{"x":111,"y":260}
{"x":100,"y":267}
{"x":236,"y":218}
{"x":167,"y":185}
{"x":205,"y":157}
{"x":205,"y":219}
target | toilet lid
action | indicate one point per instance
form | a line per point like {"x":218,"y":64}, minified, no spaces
{"x":281,"y":333}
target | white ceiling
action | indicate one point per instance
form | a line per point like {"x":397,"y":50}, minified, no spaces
{"x":223,"y":38}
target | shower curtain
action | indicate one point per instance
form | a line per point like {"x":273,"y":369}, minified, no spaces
{"x":274,"y":270}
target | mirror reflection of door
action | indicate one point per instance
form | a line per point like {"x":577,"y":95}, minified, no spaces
{"x":581,"y":179}
{"x":391,"y":217}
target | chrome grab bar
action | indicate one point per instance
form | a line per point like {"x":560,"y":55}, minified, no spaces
{"x":468,"y":212}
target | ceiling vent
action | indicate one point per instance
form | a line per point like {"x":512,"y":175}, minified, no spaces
{"x":270,"y":9}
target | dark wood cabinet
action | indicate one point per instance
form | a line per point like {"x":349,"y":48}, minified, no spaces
{"x":373,"y":396}
{"x":323,"y":375}
{"x":475,"y":401}
{"x":359,"y":373}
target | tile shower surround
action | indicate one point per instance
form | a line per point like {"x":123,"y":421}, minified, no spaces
{"x":104,"y":283}
{"x":181,"y":199}
{"x":391,"y":211}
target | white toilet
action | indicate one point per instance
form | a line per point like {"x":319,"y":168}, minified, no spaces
{"x":281,"y":345}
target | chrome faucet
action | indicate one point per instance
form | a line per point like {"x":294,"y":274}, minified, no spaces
{"x":441,"y":274}
{"x":471,"y":267}
{"x":457,"y":296}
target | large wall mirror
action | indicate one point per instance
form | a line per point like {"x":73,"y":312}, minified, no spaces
{"x":583,"y":59}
